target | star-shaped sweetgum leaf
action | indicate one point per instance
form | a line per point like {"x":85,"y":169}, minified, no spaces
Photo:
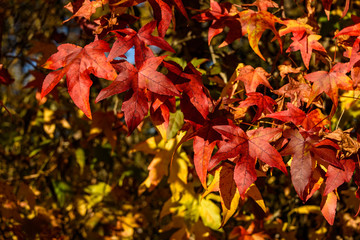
{"x":223,"y":15}
{"x":336,"y":176}
{"x":260,"y":148}
{"x":295,"y":115}
{"x":252,"y":78}
{"x":295,"y":26}
{"x":244,"y":148}
{"x":304,"y":39}
{"x":137,"y":39}
{"x":329,"y":83}
{"x":237,"y":150}
{"x":83,"y":8}
{"x":77,"y":64}
{"x":189,"y":83}
{"x":306,"y":44}
{"x":265,"y":104}
{"x":146,"y":78}
{"x":239,"y":23}
{"x":236,"y":143}
{"x":306,"y":149}
{"x":255,"y":23}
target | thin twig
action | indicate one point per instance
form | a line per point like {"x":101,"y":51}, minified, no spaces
{"x":213,"y":58}
{"x":342,"y":113}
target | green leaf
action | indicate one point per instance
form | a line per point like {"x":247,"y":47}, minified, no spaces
{"x":62,"y":189}
{"x":97,"y":192}
{"x":176,"y":121}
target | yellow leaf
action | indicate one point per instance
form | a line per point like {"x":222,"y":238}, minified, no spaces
{"x":210,"y":214}
{"x":158,"y":168}
{"x":231,"y":86}
{"x":81,"y":206}
{"x":214,"y":185}
{"x":227,"y":213}
{"x":305,"y":210}
{"x":255,"y":194}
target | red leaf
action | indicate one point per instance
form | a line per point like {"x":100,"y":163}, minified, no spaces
{"x":260,"y":148}
{"x":123,"y":82}
{"x":205,"y":139}
{"x":237,"y":144}
{"x":246,"y":150}
{"x":5,"y":77}
{"x":327,"y":6}
{"x":252,"y":78}
{"x":328,"y":207}
{"x":355,"y":75}
{"x":315,"y":183}
{"x":162,"y":14}
{"x":135,"y":108}
{"x":301,"y":164}
{"x":329,"y":83}
{"x":189,"y":82}
{"x":144,"y":78}
{"x":353,"y":30}
{"x":336,"y":176}
{"x":203,"y":149}
{"x":78,"y":63}
{"x":354,"y":54}
{"x":326,"y":151}
{"x":306,"y":44}
{"x":179,"y":4}
{"x":265,"y":104}
{"x":223,"y":15}
{"x":244,"y":173}
{"x":298,"y":117}
{"x":306,"y":149}
{"x":132,"y":38}
{"x":161,"y":108}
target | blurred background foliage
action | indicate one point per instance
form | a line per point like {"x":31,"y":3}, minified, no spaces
{"x":63,"y":176}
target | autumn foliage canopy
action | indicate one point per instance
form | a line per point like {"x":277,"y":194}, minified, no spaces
{"x":240,"y":97}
